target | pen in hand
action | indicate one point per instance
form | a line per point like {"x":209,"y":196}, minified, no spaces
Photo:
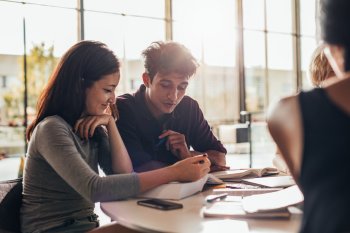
{"x":202,"y":161}
{"x":161,"y":141}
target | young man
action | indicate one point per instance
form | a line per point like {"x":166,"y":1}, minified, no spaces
{"x":159,"y":123}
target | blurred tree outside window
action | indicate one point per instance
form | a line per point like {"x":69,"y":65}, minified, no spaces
{"x":40,"y":64}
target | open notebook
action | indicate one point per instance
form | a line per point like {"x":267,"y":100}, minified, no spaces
{"x":248,"y":172}
{"x":268,"y":205}
{"x":274,"y":200}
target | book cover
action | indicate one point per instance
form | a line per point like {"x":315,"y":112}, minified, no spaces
{"x":175,"y":190}
{"x":213,"y":180}
{"x":272,"y":182}
{"x":235,"y":210}
{"x":239,"y":173}
{"x":244,"y":192}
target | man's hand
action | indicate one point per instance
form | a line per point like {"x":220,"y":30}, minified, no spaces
{"x":216,"y":168}
{"x":176,"y":143}
{"x":218,"y":161}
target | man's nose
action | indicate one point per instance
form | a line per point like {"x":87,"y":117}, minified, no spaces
{"x":172,"y":95}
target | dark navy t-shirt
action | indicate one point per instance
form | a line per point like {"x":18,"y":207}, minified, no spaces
{"x":140,"y":130}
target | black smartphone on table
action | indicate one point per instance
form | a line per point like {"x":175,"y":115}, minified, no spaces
{"x":160,"y":204}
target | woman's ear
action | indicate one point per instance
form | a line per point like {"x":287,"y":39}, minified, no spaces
{"x":146,"y":79}
{"x":335,"y":55}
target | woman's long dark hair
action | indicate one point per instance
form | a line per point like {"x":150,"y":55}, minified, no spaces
{"x":82,"y":65}
{"x":335,"y":20}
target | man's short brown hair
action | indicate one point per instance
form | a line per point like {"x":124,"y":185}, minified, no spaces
{"x":168,"y":57}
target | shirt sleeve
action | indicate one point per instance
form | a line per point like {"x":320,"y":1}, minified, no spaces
{"x":54,"y":141}
{"x":202,"y":137}
{"x":104,"y":152}
{"x":128,"y":130}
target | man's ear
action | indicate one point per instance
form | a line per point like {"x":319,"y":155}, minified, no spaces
{"x":146,"y":79}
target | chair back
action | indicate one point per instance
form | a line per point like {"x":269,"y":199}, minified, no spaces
{"x":10,"y":204}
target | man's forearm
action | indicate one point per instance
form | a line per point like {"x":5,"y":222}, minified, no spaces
{"x":215,"y":157}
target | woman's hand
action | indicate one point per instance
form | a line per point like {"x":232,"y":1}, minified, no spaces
{"x":191,"y":169}
{"x":86,"y":126}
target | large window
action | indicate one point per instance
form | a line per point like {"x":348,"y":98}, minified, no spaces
{"x":273,"y":36}
{"x":128,"y":27}
{"x":308,"y":38}
{"x":275,"y":58}
{"x":208,"y":29}
{"x":46,"y":32}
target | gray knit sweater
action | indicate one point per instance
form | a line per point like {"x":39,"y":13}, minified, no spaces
{"x":61,"y":179}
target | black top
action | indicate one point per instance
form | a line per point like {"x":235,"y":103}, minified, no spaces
{"x":325,"y":169}
{"x":140,"y":130}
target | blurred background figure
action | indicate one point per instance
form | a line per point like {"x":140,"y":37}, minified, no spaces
{"x":319,"y":69}
{"x":320,"y":72}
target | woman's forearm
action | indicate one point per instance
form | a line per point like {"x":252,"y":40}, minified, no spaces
{"x":121,"y":162}
{"x":154,"y":178}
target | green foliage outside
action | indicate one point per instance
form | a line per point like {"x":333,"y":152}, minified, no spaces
{"x":40,"y":64}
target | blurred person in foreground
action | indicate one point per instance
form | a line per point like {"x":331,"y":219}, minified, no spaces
{"x":312,"y":131}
